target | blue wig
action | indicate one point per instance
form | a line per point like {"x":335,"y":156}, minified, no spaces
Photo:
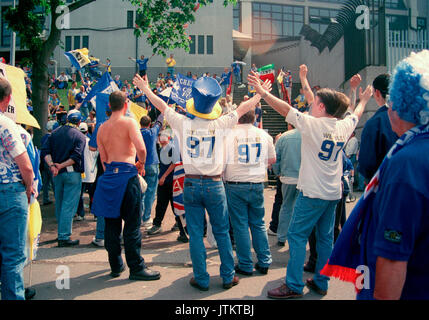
{"x":409,"y":90}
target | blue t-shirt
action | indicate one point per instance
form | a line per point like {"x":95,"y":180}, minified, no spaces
{"x":236,"y":68}
{"x":142,"y":98}
{"x":150,"y":137}
{"x":399,"y":226}
{"x":376,"y":140}
{"x":225,"y":78}
{"x":142,"y":64}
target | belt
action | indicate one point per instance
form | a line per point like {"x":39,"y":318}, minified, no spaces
{"x":239,"y":182}
{"x":203,"y":177}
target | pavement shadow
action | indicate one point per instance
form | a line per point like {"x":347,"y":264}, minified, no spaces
{"x":82,"y":285}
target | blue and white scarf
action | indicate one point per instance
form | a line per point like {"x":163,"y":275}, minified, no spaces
{"x":350,"y":248}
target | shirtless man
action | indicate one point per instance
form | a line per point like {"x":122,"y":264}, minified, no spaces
{"x":118,"y":194}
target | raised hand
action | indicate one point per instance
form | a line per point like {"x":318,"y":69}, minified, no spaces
{"x":141,"y":83}
{"x":355,"y":81}
{"x":267,"y":85}
{"x":255,"y":82}
{"x":364,"y":96}
{"x":303,"y":71}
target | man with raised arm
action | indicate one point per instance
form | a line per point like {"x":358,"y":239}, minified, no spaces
{"x":201,"y":138}
{"x":118,"y":195}
{"x":324,"y":136}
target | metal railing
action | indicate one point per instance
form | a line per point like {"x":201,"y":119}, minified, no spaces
{"x":400,"y":44}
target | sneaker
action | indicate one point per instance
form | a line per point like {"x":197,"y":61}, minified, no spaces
{"x":183,"y":238}
{"x":98,"y":242}
{"x":154,"y":230}
{"x":79,"y":218}
{"x":283,"y":292}
{"x":348,"y":200}
{"x":313,"y":286}
{"x":147,"y":224}
{"x":271,"y":232}
{"x":242,"y":85}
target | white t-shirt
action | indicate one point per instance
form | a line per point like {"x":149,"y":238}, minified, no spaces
{"x":11,"y":146}
{"x":352,"y":147}
{"x":247,"y":152}
{"x":90,"y":163}
{"x":323,"y":140}
{"x":201,"y":141}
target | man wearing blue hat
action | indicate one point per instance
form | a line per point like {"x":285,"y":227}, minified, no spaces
{"x":201,"y":137}
{"x":64,"y":156}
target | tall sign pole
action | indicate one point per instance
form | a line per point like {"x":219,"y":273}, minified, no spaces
{"x":12,"y":43}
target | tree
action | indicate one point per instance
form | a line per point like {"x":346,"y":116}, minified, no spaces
{"x":164,"y":22}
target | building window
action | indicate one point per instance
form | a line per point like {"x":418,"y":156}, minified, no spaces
{"x":130,"y":19}
{"x":320,"y":18}
{"x":85,"y":42}
{"x":76,"y":42}
{"x":68,"y":43}
{"x":209,"y":44}
{"x":236,"y":17}
{"x":192,"y":45}
{"x":200,"y":44}
{"x":272,"y":21}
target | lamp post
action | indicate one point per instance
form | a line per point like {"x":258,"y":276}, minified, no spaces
{"x":13,"y":43}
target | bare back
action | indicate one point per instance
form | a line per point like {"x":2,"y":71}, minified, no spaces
{"x":119,"y":140}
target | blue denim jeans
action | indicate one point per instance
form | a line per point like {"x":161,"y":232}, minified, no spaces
{"x":290,"y":193}
{"x":237,"y":78}
{"x":246,"y":209}
{"x":99,"y":229}
{"x":200,"y":195}
{"x":148,"y":198}
{"x":224,"y":89}
{"x":13,"y":236}
{"x":170,"y":70}
{"x":67,"y":193}
{"x":309,"y":213}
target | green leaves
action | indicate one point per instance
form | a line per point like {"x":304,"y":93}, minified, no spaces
{"x":164,"y":21}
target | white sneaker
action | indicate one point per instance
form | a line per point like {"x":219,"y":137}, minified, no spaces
{"x":271,"y":232}
{"x":79,"y":218}
{"x":147,"y":224}
{"x":98,"y":242}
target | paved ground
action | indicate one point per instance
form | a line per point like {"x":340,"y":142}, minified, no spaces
{"x":88,"y":268}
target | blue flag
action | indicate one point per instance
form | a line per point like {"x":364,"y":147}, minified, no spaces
{"x":78,"y":58}
{"x":104,"y":85}
{"x":182,"y":90}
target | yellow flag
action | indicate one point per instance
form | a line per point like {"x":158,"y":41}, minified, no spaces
{"x":137,"y":111}
{"x":17,"y":109}
{"x":34,"y":229}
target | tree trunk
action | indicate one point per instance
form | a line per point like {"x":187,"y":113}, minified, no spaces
{"x":40,"y":80}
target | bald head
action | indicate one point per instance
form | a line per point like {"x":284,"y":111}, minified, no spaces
{"x":117,"y":100}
